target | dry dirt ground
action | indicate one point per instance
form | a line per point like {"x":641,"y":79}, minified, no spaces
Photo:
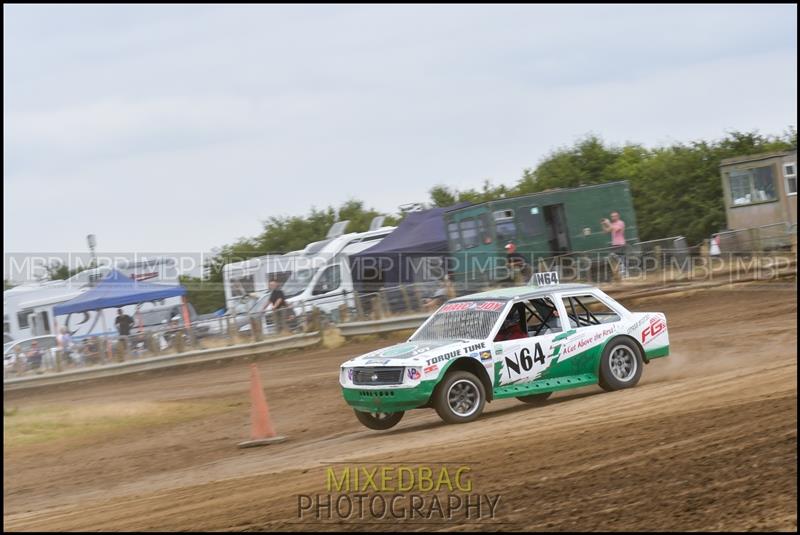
{"x":707,"y":441}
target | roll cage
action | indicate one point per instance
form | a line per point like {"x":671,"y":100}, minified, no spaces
{"x":544,"y":309}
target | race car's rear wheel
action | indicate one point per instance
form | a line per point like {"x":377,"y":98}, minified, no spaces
{"x":621,"y":365}
{"x":535,"y":399}
{"x":459,"y":398}
{"x":379,"y":420}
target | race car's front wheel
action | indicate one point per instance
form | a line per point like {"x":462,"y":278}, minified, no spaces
{"x":621,"y":365}
{"x":535,"y":399}
{"x":379,"y":420}
{"x":459,"y":398}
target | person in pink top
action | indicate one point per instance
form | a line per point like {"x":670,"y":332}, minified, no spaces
{"x":617,"y":229}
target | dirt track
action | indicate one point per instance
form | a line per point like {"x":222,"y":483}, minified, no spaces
{"x":708,"y":440}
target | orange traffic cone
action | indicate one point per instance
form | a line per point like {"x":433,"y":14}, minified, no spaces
{"x":262,"y":431}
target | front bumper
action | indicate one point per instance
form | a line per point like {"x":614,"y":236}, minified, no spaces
{"x":389,"y":399}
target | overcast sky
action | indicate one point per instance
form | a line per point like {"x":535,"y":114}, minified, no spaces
{"x":180,"y":128}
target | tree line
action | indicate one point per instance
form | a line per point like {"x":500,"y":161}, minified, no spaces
{"x":676,"y":190}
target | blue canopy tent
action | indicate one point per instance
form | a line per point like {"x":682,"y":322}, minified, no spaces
{"x":401,"y":257}
{"x":117,"y":290}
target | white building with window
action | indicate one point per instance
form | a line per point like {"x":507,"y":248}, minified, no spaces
{"x":760,"y":190}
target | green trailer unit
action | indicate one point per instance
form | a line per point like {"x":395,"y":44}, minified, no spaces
{"x":541,"y":225}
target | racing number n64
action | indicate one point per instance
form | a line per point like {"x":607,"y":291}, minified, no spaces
{"x":522,"y":361}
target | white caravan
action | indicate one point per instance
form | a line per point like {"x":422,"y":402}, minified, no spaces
{"x":28,"y":308}
{"x":247,"y":280}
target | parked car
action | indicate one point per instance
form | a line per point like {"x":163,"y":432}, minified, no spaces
{"x":158,"y":319}
{"x":19,"y":354}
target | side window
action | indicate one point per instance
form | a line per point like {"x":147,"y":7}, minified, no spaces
{"x":243,"y":285}
{"x":790,"y":174}
{"x":22,"y":319}
{"x":329,"y":281}
{"x":530,"y":220}
{"x":469,"y":233}
{"x":455,"y":236}
{"x":280,"y":276}
{"x":504,"y":226}
{"x":750,"y":186}
{"x":587,"y":310}
{"x":542,"y":317}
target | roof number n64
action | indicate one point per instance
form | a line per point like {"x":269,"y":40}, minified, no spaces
{"x":543,"y":279}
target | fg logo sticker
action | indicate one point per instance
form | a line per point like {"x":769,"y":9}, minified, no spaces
{"x":656,"y":327}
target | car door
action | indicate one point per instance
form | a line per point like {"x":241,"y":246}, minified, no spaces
{"x":591,"y":322}
{"x":527,"y":359}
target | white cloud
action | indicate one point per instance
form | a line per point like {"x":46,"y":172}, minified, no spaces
{"x":182,"y":128}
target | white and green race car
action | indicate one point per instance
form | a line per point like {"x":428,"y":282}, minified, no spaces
{"x":524,"y":342}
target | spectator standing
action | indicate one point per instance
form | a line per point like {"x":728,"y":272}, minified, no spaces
{"x":20,"y":360}
{"x":89,"y":351}
{"x":34,"y":356}
{"x":439,"y":297}
{"x":173,"y":329}
{"x":437,"y":300}
{"x":616,"y":227}
{"x":280,"y":307}
{"x":123,"y":322}
{"x":519,"y":270}
{"x":64,"y":341}
{"x":276,"y":297}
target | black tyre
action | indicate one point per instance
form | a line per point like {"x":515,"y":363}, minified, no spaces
{"x":621,"y":365}
{"x":459,"y":398}
{"x":379,"y":420}
{"x":535,"y":399}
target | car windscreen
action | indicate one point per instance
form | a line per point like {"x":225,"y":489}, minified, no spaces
{"x":298,"y":282}
{"x":461,"y":320}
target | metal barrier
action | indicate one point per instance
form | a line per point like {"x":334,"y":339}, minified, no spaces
{"x":400,"y":323}
{"x":167,"y":361}
{"x":609,"y":263}
{"x":776,"y":237}
{"x":153,"y":341}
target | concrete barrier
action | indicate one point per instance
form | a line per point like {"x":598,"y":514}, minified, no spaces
{"x":167,"y":361}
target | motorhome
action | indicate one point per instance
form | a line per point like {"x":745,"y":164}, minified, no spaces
{"x":28,"y":308}
{"x":323,"y":279}
{"x":320,"y":273}
{"x":247,"y":281}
